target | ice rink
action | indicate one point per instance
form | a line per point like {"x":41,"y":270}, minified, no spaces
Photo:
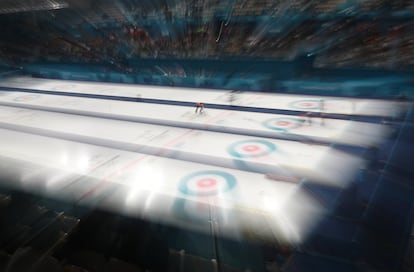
{"x":243,"y":171}
{"x":335,"y":105}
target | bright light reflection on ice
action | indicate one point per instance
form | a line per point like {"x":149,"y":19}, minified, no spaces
{"x":145,"y":180}
{"x":82,"y":163}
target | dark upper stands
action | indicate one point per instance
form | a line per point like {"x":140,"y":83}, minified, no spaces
{"x":375,"y":33}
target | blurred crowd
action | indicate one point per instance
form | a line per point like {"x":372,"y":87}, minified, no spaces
{"x":337,"y":33}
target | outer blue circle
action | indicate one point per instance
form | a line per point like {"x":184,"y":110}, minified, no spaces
{"x":232,"y":150}
{"x":183,"y":188}
{"x":268,"y":123}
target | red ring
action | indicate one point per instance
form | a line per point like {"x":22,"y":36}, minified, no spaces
{"x":206,"y":182}
{"x":283,"y":123}
{"x":306,"y":104}
{"x":251,"y":148}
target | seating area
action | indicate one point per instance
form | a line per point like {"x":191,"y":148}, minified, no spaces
{"x":341,"y":34}
{"x":38,"y":238}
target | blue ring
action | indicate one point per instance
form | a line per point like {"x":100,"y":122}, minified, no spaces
{"x":267,"y":123}
{"x":316,"y":107}
{"x":232,"y":149}
{"x":183,"y":188}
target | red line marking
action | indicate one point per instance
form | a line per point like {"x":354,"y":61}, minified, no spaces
{"x":115,"y":174}
{"x":109,"y":178}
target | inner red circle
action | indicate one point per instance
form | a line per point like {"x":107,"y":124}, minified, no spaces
{"x":206,"y":182}
{"x":251,"y":148}
{"x":306,"y":104}
{"x":283,"y":123}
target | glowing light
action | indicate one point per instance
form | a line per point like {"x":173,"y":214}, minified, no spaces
{"x":147,"y":181}
{"x":64,"y":160}
{"x":82,"y":163}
